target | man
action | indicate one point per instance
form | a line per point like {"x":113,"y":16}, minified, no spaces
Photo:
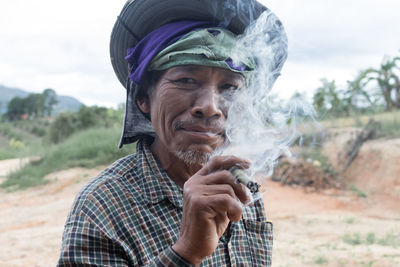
{"x":171,"y":203}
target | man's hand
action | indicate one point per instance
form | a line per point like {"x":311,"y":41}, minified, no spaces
{"x":210,"y":201}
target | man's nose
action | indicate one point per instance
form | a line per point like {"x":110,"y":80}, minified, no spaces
{"x":207,"y":104}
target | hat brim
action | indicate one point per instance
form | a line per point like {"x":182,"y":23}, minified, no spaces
{"x":140,"y":17}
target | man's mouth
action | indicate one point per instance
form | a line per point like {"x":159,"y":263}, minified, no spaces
{"x":204,"y":132}
{"x":208,"y":132}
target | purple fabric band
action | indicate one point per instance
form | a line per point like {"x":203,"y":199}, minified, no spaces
{"x":140,"y":56}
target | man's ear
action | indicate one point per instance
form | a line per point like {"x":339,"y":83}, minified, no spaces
{"x":143,"y":104}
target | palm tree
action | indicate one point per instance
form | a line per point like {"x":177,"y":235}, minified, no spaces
{"x":386,"y":78}
{"x":358,"y":88}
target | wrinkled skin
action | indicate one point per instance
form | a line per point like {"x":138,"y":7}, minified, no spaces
{"x":188,"y":110}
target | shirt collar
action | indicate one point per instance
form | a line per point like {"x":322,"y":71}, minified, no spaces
{"x":158,"y":185}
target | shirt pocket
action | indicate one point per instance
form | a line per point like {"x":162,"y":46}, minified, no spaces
{"x":260,"y":240}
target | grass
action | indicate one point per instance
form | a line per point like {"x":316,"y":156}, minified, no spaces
{"x":390,"y":122}
{"x":358,"y":191}
{"x":391,"y":255}
{"x":367,"y":264}
{"x":8,"y":152}
{"x":352,"y":239}
{"x":320,"y":260}
{"x":88,"y":148}
{"x":37,"y":127}
{"x":391,"y":127}
{"x":361,"y":120}
{"x":391,"y":239}
{"x":350,"y":220}
{"x":13,"y":148}
{"x":8,"y":130}
{"x":17,"y":141}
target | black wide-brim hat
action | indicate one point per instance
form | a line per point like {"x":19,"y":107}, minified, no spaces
{"x":140,"y":17}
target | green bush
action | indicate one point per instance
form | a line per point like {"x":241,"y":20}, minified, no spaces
{"x":66,"y":124}
{"x":7,"y":129}
{"x":37,"y":127}
{"x":38,"y":131}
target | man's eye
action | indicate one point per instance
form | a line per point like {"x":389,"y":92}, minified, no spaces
{"x":229,"y":87}
{"x":185,"y":81}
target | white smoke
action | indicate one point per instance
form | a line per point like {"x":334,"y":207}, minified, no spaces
{"x":258,"y":128}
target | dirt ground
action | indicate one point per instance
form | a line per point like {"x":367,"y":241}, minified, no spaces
{"x":376,"y":168}
{"x":32,"y":220}
{"x":333,"y":228}
{"x":330,"y":228}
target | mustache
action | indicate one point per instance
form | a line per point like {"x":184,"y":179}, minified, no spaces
{"x":216,"y":127}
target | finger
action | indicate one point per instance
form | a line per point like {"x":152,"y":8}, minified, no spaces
{"x":210,"y":190}
{"x":225,"y":204}
{"x":225,"y":177}
{"x":223,"y":163}
{"x":216,"y":186}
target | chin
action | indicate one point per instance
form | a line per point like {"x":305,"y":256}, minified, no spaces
{"x":192,"y":157}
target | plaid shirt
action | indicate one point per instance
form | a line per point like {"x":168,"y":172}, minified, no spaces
{"x":130,"y":216}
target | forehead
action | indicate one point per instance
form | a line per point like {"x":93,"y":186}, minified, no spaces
{"x":198,"y":70}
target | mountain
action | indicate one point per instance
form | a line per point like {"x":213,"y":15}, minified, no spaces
{"x":65,"y":103}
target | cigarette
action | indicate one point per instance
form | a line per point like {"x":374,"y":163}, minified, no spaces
{"x":241,"y":177}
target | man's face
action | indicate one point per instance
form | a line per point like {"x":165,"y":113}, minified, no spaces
{"x":188,"y":109}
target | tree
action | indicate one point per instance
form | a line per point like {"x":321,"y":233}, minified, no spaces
{"x":50,"y":100}
{"x":34,"y":105}
{"x":358,"y":93}
{"x":16,"y":107}
{"x":387,"y":79}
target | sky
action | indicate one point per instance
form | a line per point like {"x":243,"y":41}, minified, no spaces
{"x":64,"y":45}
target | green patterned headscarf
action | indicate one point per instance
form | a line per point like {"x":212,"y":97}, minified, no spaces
{"x":212,"y":47}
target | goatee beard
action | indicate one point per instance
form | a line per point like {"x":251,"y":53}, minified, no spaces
{"x":192,"y":157}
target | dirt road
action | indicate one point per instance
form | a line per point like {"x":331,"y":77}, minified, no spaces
{"x":9,"y":165}
{"x":325,"y":229}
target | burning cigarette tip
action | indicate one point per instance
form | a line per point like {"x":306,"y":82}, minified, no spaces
{"x":241,"y":177}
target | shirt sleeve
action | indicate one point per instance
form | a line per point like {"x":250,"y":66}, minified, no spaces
{"x":170,"y":258}
{"x":85,"y":245}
